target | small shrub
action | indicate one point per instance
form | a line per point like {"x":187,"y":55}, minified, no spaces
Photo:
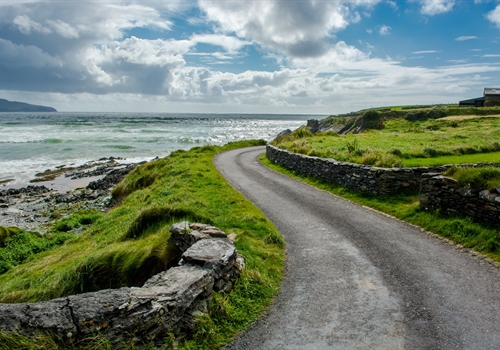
{"x":380,"y":159}
{"x":436,"y":113}
{"x":301,"y":133}
{"x":431,"y":152}
{"x":371,"y":120}
{"x":6,"y":233}
{"x":492,"y":245}
{"x":452,"y":124}
{"x":422,"y":115}
{"x":327,"y":133}
{"x":492,"y":103}
{"x":275,"y":238}
{"x":415,"y":115}
{"x":370,"y":158}
{"x":353,"y":147}
{"x":301,"y":146}
{"x":151,"y":216}
{"x":22,"y":245}
{"x":397,"y":152}
{"x":83,"y":217}
{"x":389,"y":161}
{"x":466,"y":150}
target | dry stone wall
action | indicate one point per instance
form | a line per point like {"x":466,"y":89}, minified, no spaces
{"x":438,"y":191}
{"x":169,"y":302}
{"x":362,"y":178}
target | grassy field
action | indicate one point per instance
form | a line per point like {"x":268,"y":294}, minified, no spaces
{"x":404,"y":143}
{"x":480,"y":237}
{"x":127,"y":246}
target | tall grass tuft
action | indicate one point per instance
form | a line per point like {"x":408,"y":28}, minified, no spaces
{"x":19,"y":246}
{"x":155,"y":215}
{"x":301,"y":133}
{"x":75,"y":220}
{"x":478,"y":178}
{"x":6,"y":233}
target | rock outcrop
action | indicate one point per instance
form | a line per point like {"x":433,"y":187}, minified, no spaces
{"x":31,"y":207}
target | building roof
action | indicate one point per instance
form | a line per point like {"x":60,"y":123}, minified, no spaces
{"x":472,"y":100}
{"x":491,"y":91}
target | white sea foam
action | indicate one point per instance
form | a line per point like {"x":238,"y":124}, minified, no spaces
{"x":33,"y":142}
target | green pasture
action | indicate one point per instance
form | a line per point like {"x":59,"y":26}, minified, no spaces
{"x":404,"y":143}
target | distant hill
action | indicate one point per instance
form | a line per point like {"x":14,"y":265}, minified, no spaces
{"x":12,"y":106}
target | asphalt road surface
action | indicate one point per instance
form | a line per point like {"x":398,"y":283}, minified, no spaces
{"x":358,"y":279}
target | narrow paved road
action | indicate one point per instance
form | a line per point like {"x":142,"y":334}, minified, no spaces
{"x":357,"y":279}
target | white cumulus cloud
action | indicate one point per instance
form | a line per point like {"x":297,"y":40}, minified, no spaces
{"x":228,"y":43}
{"x":384,"y":30}
{"x":435,"y":7}
{"x":296,"y":28}
{"x":494,"y":16}
{"x":26,"y":25}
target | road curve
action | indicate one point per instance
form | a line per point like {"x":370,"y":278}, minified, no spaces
{"x":358,"y":279}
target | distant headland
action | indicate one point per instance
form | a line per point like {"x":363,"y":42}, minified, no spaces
{"x":13,"y":106}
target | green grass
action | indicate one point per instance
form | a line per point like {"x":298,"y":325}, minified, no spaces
{"x":493,"y":157}
{"x":76,"y":220}
{"x":127,"y":246}
{"x":18,"y":246}
{"x":478,"y":178}
{"x":481,"y":237}
{"x":405,"y":143}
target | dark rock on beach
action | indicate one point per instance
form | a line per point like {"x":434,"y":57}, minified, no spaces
{"x":33,"y":207}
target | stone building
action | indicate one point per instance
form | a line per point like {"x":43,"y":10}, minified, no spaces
{"x":489,"y":94}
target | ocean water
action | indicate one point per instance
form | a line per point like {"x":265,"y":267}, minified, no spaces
{"x":34,"y":142}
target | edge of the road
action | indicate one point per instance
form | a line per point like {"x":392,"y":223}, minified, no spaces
{"x":456,"y":246}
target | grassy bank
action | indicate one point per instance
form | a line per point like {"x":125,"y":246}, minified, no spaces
{"x":127,"y":246}
{"x":481,"y":237}
{"x":406,"y":143}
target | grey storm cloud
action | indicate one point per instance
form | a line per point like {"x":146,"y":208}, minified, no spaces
{"x":71,"y":47}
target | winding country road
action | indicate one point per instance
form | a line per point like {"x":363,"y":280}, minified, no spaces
{"x":358,"y":279}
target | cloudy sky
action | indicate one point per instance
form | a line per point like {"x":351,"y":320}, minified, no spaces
{"x":247,"y":56}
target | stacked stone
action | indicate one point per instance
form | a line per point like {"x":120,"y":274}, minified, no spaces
{"x":362,"y":178}
{"x":438,"y":191}
{"x":168,"y":303}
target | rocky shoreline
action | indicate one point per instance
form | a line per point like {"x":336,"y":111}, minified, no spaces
{"x":89,"y":186}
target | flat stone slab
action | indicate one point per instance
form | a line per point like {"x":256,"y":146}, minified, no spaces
{"x":213,"y":251}
{"x":177,"y":281}
{"x":53,"y":315}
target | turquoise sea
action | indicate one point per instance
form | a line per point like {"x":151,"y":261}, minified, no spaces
{"x":34,"y":142}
